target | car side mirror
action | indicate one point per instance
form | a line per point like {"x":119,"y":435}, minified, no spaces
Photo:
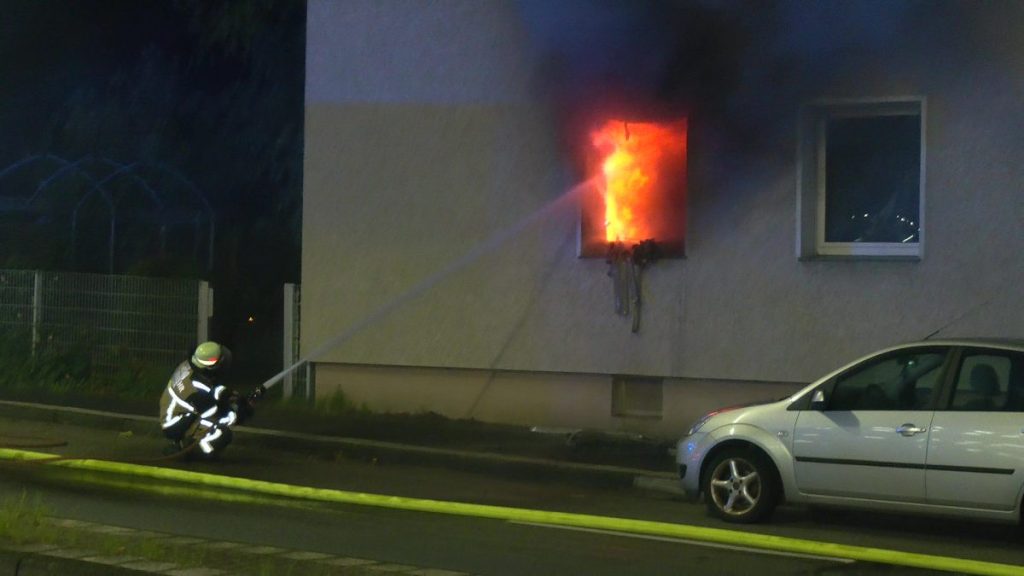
{"x":818,"y":400}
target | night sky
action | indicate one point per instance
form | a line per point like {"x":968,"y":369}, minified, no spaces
{"x":209,"y":91}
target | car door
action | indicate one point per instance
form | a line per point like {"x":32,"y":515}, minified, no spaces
{"x":869,"y":436}
{"x":976,"y":448}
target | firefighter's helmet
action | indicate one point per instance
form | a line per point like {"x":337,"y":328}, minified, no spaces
{"x":211,"y":356}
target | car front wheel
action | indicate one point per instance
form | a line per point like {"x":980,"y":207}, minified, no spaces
{"x":740,"y":486}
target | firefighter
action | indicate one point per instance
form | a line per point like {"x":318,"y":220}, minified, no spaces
{"x":197,"y":410}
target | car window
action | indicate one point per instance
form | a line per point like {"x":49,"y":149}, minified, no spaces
{"x":989,"y":381}
{"x":901,"y":381}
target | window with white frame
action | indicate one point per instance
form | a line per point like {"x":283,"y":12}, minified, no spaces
{"x":861,"y":179}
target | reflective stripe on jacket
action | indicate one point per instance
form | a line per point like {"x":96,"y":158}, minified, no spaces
{"x":191,"y":391}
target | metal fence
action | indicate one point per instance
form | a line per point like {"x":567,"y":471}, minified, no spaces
{"x":151,"y":320}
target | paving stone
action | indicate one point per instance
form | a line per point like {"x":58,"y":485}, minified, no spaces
{"x":263,"y":550}
{"x":70,"y":553}
{"x":195,"y":572}
{"x":183,"y":541}
{"x":32,"y":548}
{"x":114,"y":530}
{"x":149,"y":534}
{"x":69,"y":523}
{"x":111,"y":560}
{"x":349,"y":562}
{"x":303,"y":555}
{"x":150,"y":566}
{"x":392,"y":568}
{"x":223,"y":545}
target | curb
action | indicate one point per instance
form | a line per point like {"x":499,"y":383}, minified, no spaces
{"x":332,"y":446}
{"x":136,"y":555}
{"x":32,"y":564}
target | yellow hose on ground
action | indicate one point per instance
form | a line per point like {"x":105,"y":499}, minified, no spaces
{"x":645,"y":527}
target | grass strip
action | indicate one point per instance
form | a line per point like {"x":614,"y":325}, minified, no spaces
{"x":26,"y":520}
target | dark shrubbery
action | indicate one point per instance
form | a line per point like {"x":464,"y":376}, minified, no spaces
{"x":65,"y":373}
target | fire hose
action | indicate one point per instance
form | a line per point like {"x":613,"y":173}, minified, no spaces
{"x":27,"y":442}
{"x":24,"y":442}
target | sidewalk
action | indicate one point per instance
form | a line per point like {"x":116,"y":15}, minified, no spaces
{"x":586,"y":457}
{"x":295,"y":458}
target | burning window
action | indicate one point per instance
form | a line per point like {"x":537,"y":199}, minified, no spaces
{"x":639,"y":175}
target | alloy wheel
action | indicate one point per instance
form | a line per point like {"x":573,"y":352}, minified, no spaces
{"x":735,"y":486}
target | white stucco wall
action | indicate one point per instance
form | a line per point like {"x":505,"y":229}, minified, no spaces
{"x":428,"y":135}
{"x":553,"y":401}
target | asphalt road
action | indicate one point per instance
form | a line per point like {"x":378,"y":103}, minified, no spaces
{"x":437,"y":541}
{"x":464,"y":544}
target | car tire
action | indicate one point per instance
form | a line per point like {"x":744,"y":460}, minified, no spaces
{"x":741,"y":486}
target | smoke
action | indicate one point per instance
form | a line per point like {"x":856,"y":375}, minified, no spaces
{"x":652,"y":58}
{"x":729,"y":65}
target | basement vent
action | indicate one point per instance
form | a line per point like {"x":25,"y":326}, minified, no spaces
{"x":636,"y":397}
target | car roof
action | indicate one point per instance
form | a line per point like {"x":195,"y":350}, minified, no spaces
{"x":1017,"y":343}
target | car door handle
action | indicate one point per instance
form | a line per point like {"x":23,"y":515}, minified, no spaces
{"x":909,"y":429}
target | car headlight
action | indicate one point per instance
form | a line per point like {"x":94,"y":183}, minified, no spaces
{"x":699,"y":423}
{"x":703,"y":419}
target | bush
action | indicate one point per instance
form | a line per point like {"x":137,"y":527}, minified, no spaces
{"x":51,"y":370}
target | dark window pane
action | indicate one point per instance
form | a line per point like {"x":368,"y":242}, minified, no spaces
{"x":905,"y":381}
{"x":990,"y":382}
{"x":872,"y":179}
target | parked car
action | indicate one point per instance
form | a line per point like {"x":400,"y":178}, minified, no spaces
{"x":928,"y":427}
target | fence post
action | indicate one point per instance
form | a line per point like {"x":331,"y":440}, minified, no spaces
{"x":287,"y":346}
{"x":204,"y":311}
{"x":310,"y":376}
{"x":37,"y":308}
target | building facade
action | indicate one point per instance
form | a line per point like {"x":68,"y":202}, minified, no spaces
{"x":854,"y":182}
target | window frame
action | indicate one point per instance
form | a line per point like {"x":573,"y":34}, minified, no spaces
{"x":811,"y":178}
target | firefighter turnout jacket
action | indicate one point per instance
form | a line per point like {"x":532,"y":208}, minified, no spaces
{"x":194,"y":405}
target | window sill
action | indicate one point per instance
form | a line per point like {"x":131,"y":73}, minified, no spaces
{"x":860,"y":257}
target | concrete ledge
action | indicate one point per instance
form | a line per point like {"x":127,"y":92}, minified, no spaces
{"x":509,"y":466}
{"x":503,"y":464}
{"x":80,"y":416}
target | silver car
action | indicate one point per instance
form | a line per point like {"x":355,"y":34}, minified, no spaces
{"x":929,"y":427}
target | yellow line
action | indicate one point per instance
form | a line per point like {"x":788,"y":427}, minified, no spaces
{"x":745,"y":539}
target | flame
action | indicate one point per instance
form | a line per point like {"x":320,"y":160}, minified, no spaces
{"x":635,"y":159}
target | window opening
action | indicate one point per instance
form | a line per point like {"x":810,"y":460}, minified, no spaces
{"x":637,"y":211}
{"x":861,"y":179}
{"x":639,"y":175}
